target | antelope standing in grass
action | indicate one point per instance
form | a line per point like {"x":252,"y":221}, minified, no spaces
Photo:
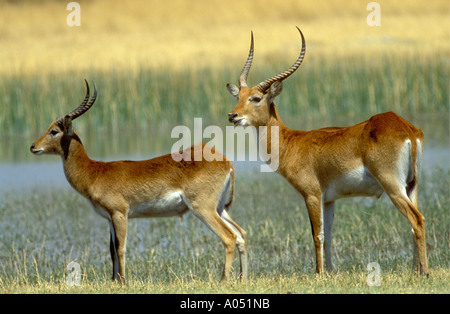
{"x":159,"y":187}
{"x":382,"y":154}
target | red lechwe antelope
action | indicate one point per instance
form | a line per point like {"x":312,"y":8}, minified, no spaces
{"x":382,"y":154}
{"x":159,"y":187}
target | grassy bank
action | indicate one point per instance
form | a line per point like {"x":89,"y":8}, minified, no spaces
{"x":44,"y":230}
{"x":344,"y":282}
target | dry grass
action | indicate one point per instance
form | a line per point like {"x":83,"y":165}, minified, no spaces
{"x":113,"y":35}
{"x":355,"y":282}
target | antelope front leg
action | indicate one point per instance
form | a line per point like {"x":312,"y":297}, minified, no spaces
{"x":328,"y":216}
{"x":112,"y":250}
{"x":314,"y":206}
{"x":118,"y":227}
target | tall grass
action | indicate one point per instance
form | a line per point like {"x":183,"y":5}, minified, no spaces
{"x":322,"y":88}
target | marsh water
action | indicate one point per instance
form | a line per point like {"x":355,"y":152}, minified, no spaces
{"x":21,"y":170}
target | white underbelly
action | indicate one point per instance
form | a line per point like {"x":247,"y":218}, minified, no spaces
{"x":358,"y":182}
{"x":171,"y":204}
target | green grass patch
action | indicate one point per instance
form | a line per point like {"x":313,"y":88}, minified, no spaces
{"x":355,"y":282}
{"x":43,"y":230}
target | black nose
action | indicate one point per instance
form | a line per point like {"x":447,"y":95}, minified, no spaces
{"x":231,"y":116}
{"x":32,"y":147}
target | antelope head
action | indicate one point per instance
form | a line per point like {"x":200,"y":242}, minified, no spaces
{"x":254,"y":103}
{"x":61,"y":129}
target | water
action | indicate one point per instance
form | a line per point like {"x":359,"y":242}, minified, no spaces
{"x":23,"y":176}
{"x":20,"y":170}
{"x":49,"y":173}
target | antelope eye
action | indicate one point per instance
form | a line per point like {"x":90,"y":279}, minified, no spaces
{"x":255,"y":99}
{"x":53,"y":132}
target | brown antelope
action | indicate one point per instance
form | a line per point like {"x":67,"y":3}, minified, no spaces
{"x":382,"y":154}
{"x":159,"y":187}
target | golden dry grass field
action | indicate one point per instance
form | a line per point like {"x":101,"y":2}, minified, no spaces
{"x":35,"y":38}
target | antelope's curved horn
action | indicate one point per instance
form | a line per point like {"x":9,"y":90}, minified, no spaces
{"x":263,"y":86}
{"x":85,"y":105}
{"x":247,"y":66}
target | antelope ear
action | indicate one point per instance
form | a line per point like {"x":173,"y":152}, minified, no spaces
{"x":233,"y":89}
{"x":275,"y":90}
{"x":67,"y":125}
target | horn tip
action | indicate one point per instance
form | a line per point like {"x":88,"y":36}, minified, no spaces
{"x":301,"y":34}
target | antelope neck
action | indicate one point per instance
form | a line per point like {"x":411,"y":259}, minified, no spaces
{"x":77,"y":164}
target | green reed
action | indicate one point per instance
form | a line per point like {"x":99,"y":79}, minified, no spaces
{"x":325,"y":89}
